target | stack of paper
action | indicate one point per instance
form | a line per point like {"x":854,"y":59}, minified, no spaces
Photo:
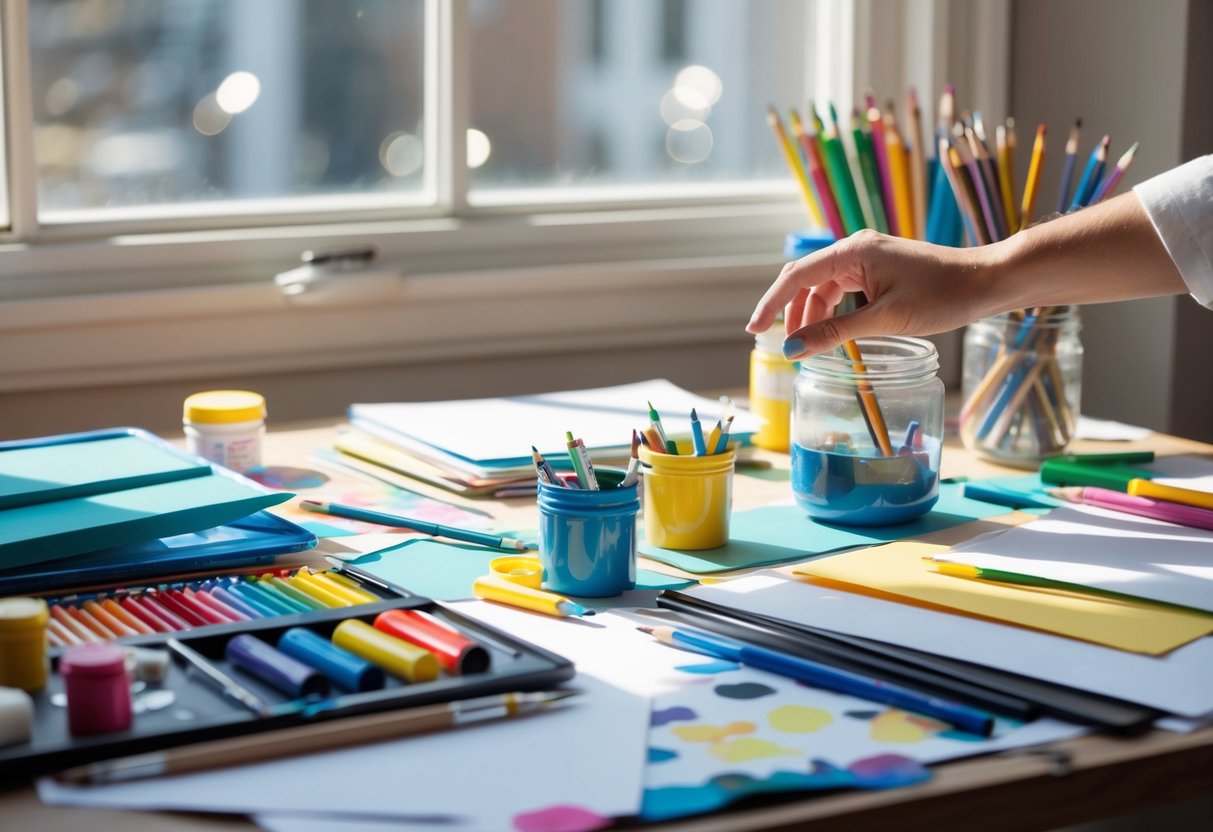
{"x":483,"y":446}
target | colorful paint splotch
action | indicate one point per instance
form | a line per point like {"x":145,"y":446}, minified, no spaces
{"x":677,"y":713}
{"x":799,"y":719}
{"x":750,"y":748}
{"x":560,"y":819}
{"x":712,"y":733}
{"x":744,"y":690}
{"x":901,"y":727}
{"x":720,"y":666}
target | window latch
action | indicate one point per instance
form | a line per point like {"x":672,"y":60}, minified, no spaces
{"x":340,"y":277}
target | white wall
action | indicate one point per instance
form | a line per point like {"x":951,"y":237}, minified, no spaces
{"x":1120,"y":65}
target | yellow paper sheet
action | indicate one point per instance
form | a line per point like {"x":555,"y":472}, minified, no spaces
{"x":899,"y":569}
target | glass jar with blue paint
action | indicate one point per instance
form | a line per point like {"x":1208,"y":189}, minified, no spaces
{"x":867,"y":429}
{"x":587,"y":539}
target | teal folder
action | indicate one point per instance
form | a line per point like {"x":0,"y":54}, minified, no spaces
{"x":63,"y":496}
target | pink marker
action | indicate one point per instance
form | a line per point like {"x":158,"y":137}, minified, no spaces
{"x":1181,"y":515}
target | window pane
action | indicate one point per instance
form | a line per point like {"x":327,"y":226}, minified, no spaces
{"x":602,"y":92}
{"x":151,"y":102}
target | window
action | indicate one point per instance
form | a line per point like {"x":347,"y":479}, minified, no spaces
{"x":147,"y":104}
{"x":166,"y":159}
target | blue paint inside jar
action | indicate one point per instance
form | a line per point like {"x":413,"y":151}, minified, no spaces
{"x":863,"y":490}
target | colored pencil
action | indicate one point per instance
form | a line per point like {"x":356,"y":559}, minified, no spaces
{"x":861,"y":134}
{"x":697,"y":435}
{"x":1067,"y":171}
{"x":1108,"y":186}
{"x":1091,"y":174}
{"x":918,"y":169}
{"x":794,"y":164}
{"x":1031,"y":185}
{"x":977,"y":179}
{"x":879,"y":148}
{"x":1177,"y":513}
{"x":989,"y":178}
{"x":839,"y":175}
{"x":826,"y":677}
{"x":397,"y":521}
{"x":1006,"y":173}
{"x":818,"y":176}
{"x":899,"y":174}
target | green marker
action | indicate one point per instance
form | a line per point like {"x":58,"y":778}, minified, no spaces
{"x":1063,"y":471}
{"x":671,"y":447}
{"x":582,"y":465}
{"x":1101,"y":459}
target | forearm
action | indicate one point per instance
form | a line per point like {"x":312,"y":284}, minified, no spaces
{"x":1104,"y":253}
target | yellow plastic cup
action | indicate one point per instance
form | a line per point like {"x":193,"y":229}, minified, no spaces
{"x":687,"y":499}
{"x":23,"y":661}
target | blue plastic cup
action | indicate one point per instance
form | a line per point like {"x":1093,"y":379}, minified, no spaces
{"x":587,"y":539}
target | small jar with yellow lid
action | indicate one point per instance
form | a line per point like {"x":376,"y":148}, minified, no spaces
{"x":23,"y":662}
{"x":226,"y":427}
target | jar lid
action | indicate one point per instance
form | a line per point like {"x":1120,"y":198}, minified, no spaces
{"x":801,"y":243}
{"x":224,"y":407}
{"x":18,"y":615}
{"x":95,"y":659}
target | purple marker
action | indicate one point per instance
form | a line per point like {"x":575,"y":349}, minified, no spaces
{"x":275,"y":668}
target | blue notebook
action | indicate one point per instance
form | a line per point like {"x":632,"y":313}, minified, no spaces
{"x":256,"y":540}
{"x":65,"y":496}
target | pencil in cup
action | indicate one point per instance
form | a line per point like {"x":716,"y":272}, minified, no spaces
{"x":1022,"y":384}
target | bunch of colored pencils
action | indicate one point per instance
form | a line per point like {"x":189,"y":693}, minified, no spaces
{"x":958,"y":189}
{"x":1020,"y":407}
{"x":656,"y":440}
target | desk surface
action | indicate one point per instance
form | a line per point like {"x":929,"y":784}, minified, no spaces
{"x":1075,"y":781}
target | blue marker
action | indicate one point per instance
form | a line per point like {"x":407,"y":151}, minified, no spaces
{"x":697,"y":435}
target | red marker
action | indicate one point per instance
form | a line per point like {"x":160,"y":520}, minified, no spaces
{"x":454,"y":652}
{"x":203,"y":612}
{"x":159,"y":603}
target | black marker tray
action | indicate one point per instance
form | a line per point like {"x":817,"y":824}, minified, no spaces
{"x":201,"y":712}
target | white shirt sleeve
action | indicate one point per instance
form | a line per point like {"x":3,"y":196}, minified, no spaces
{"x":1180,"y":204}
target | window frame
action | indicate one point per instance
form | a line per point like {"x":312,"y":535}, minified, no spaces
{"x":65,"y":288}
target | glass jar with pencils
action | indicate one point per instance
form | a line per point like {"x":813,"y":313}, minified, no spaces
{"x":867,"y":428}
{"x":1021,"y":384}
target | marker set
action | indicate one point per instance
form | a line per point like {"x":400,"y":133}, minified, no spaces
{"x":256,"y":674}
{"x":183,"y":606}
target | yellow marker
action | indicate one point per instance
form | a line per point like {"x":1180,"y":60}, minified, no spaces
{"x":352,"y":585}
{"x":957,"y":570}
{"x":495,"y":588}
{"x":394,"y":655}
{"x":304,"y":583}
{"x":354,"y":596}
{"x":1171,"y":493}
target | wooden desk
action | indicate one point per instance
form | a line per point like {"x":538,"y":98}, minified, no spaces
{"x":1071,"y":782}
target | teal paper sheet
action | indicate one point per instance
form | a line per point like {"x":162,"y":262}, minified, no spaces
{"x":445,"y":571}
{"x":785,"y":534}
{"x":63,"y":528}
{"x":45,"y":473}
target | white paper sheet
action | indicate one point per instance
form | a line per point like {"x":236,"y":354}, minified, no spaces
{"x":1180,"y":682}
{"x":1108,"y":550}
{"x":505,"y":428}
{"x":1108,"y":430}
{"x":590,"y":754}
{"x":1194,"y":471}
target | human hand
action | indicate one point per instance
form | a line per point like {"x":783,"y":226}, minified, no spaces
{"x":913,"y":288}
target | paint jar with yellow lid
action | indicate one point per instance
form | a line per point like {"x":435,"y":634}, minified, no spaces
{"x":226,"y":427}
{"x":23,"y":662}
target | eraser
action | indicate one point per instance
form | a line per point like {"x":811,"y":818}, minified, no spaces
{"x":146,"y":664}
{"x":16,"y":717}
